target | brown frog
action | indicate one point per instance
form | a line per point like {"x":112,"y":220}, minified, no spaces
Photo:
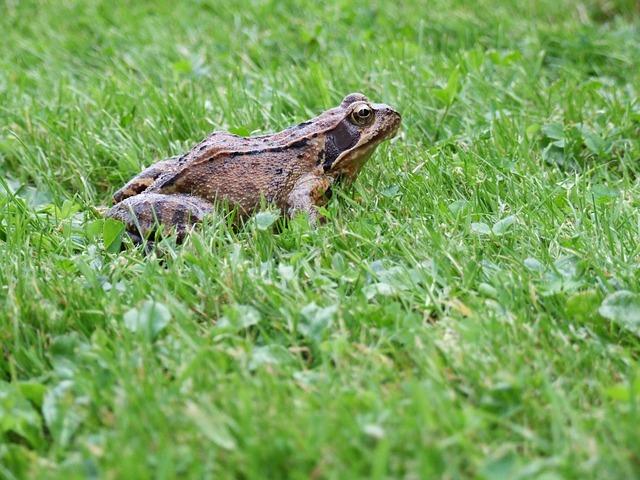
{"x":293,"y":169}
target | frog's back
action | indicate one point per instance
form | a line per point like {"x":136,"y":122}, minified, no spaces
{"x":242,"y":171}
{"x":220,"y":144}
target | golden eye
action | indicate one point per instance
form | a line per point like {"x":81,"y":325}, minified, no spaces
{"x":362,"y":115}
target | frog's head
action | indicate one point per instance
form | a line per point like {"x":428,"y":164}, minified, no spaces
{"x":360,"y":126}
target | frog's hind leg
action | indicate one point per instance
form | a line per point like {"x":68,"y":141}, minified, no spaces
{"x":148,"y":214}
{"x":145,"y":179}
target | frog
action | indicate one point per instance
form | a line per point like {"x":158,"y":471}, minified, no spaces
{"x":294,"y":169}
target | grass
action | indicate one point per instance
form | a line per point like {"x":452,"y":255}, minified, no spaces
{"x":469,"y":310}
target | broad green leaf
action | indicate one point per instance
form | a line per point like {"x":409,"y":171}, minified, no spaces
{"x":501,"y":227}
{"x":623,"y":308}
{"x":457,"y":206}
{"x":94,"y":229}
{"x":238,"y":317}
{"x":36,"y":198}
{"x":286,"y":272}
{"x":242,"y":131}
{"x":17,"y":459}
{"x":554,"y":155}
{"x":554,"y":131}
{"x":532,"y":130}
{"x":453,"y":85}
{"x":62,"y":412}
{"x":533,"y":264}
{"x":474,"y":58}
{"x":316,"y":320}
{"x":68,"y":209}
{"x":269,"y":355}
{"x":390,"y":191}
{"x":503,"y":468}
{"x":374,"y":431}
{"x":480,"y":228}
{"x":63,"y":353}
{"x":213,"y":425}
{"x":337,"y":262}
{"x":487,"y":290}
{"x":265,"y":219}
{"x":624,"y":391}
{"x":620,"y":392}
{"x":564,"y":277}
{"x":583,"y":306}
{"x":150,"y":318}
{"x":603,"y":194}
{"x":32,"y":391}
{"x":112,"y":231}
{"x":182,"y":66}
{"x":504,"y":58}
{"x":568,"y":266}
{"x":594,"y":142}
{"x":448,"y":93}
{"x":382,"y":289}
{"x":17,"y":415}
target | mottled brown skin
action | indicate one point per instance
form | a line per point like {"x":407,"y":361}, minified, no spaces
{"x":293,"y":169}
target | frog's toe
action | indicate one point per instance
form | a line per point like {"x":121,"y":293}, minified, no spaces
{"x":135,"y":238}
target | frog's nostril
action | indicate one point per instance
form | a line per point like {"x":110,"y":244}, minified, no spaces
{"x":394,"y":116}
{"x":391,"y":111}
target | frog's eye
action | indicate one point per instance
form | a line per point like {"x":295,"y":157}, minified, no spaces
{"x":362,"y":115}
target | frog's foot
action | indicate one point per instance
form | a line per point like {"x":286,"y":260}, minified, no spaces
{"x":148,"y":246}
{"x":147,"y":214}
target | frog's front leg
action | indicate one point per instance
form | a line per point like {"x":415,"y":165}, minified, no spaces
{"x":148,"y":213}
{"x":309,"y":193}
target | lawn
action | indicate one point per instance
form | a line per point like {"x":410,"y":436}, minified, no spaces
{"x":470,"y":308}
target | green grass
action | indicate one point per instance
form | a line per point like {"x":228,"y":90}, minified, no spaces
{"x":443,"y":323}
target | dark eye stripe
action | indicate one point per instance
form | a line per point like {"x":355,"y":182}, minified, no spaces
{"x":341,"y":138}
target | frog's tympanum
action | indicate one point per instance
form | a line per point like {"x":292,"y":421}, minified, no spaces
{"x":293,"y":169}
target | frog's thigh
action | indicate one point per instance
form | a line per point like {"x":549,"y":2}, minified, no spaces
{"x":142,"y":214}
{"x":307,"y":194}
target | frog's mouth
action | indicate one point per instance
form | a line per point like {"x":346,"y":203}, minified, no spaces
{"x":350,"y":161}
{"x":390,"y":124}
